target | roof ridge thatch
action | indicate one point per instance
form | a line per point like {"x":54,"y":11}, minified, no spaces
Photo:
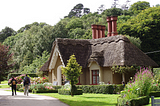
{"x":105,"y":51}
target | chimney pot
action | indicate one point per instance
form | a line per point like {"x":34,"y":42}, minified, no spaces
{"x":109,"y":26}
{"x":94,"y":28}
{"x":114,"y":25}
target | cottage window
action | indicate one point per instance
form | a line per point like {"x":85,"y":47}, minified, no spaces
{"x":95,"y":77}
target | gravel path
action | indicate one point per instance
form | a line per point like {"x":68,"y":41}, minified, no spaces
{"x":6,"y":99}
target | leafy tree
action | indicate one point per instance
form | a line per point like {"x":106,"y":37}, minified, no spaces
{"x":6,"y":32}
{"x":28,"y":26}
{"x":36,"y":64}
{"x":88,"y":34}
{"x":72,"y":72}
{"x":60,"y":30}
{"x":76,"y":11}
{"x":76,"y":33}
{"x":136,"y":41}
{"x":145,"y":26}
{"x":32,"y":43}
{"x":5,"y":61}
{"x":86,"y":10}
{"x":89,"y":19}
{"x":113,"y":12}
{"x":139,"y":6}
{"x":74,"y":23}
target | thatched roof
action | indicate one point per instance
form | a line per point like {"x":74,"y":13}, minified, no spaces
{"x":105,"y":51}
{"x":44,"y":67}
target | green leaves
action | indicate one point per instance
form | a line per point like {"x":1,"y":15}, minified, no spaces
{"x":73,"y":70}
{"x":5,"y":61}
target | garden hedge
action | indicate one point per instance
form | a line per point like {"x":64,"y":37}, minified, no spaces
{"x":155,"y":93}
{"x":100,"y":89}
{"x":44,"y":91}
{"x":68,"y":92}
{"x":144,"y":100}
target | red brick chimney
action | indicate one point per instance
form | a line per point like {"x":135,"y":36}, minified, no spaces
{"x":109,"y":26}
{"x":98,"y":31}
{"x":94,"y":28}
{"x":112,"y":26}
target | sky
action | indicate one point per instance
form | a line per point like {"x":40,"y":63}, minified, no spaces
{"x":18,"y":13}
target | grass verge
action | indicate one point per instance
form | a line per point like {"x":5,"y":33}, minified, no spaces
{"x":4,"y":86}
{"x":4,"y":82}
{"x":86,"y":99}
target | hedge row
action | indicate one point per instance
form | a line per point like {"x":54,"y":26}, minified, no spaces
{"x":68,"y":92}
{"x":155,"y":93}
{"x":144,"y":100}
{"x":98,"y":89}
{"x":101,"y":89}
{"x":44,"y":91}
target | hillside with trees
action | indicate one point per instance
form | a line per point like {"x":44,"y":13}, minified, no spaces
{"x":33,"y":42}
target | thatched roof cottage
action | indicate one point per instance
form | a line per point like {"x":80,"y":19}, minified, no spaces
{"x":96,"y":56}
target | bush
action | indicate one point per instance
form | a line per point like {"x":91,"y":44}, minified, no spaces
{"x":39,"y":80}
{"x":47,"y":91}
{"x":44,"y":88}
{"x":144,"y":100}
{"x":118,"y":88}
{"x":68,"y":92}
{"x":98,"y":89}
{"x":155,"y":93}
{"x":19,"y":86}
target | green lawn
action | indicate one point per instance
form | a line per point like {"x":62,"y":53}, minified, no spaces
{"x":86,"y":99}
{"x":4,"y":86}
{"x":4,"y":82}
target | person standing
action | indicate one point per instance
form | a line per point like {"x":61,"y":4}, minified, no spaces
{"x":26,"y":84}
{"x":13,"y":84}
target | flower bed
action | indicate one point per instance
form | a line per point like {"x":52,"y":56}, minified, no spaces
{"x":138,"y":88}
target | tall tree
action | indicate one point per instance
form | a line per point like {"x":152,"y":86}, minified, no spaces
{"x":86,"y":11}
{"x":113,"y":11}
{"x":6,"y":32}
{"x":139,"y":6}
{"x":5,"y":61}
{"x":72,"y":72}
{"x":76,"y":11}
{"x":145,"y":26}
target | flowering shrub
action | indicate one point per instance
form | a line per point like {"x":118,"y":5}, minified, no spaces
{"x":39,"y":80}
{"x":140,"y":86}
{"x":143,"y":80}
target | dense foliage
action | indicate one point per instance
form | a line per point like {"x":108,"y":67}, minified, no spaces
{"x":140,"y":85}
{"x":72,"y":72}
{"x":5,"y":61}
{"x":145,"y":26}
{"x":140,"y":22}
